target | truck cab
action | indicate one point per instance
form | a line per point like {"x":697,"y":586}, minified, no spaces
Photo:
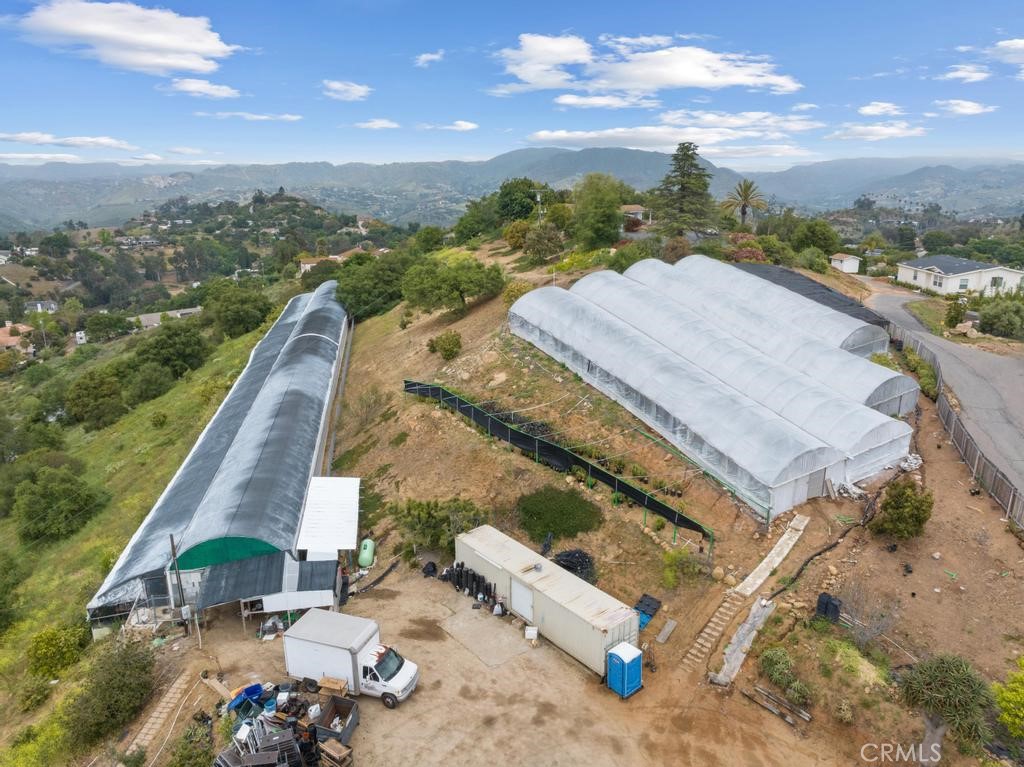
{"x":387,"y":675}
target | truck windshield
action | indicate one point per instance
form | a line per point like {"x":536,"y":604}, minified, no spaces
{"x":389,"y":665}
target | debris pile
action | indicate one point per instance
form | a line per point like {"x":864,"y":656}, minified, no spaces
{"x":911,"y":462}
{"x":301,"y":724}
{"x":578,"y":562}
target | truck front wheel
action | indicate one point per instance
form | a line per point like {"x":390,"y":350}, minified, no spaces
{"x":389,"y":700}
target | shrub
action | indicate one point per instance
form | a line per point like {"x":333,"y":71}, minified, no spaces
{"x":435,"y":524}
{"x":678,"y":564}
{"x":814,"y":259}
{"x":904,"y":510}
{"x":194,"y":748}
{"x":515,"y":290}
{"x":54,"y":649}
{"x":565,"y":513}
{"x":1003,"y":317}
{"x":515,"y":234}
{"x":777,"y":666}
{"x":675,"y":249}
{"x":448,"y":344}
{"x":844,"y":711}
{"x":33,"y":693}
{"x":54,"y":505}
{"x":798,"y":693}
{"x":659,"y":524}
{"x":118,"y":683}
{"x":925,"y":373}
{"x":955,"y":313}
{"x":158,"y":420}
{"x":1010,"y":701}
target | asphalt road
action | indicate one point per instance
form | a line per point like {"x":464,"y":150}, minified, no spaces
{"x":990,"y":387}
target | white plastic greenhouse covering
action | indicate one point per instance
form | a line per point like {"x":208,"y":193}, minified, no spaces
{"x":771,"y":300}
{"x":766,"y":460}
{"x":868,"y":439}
{"x":876,"y":386}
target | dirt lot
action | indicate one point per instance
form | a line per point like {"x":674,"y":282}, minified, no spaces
{"x":483,"y":688}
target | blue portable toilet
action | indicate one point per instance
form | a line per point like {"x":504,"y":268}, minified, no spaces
{"x":625,"y":669}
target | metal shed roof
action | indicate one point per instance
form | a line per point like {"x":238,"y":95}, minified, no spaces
{"x":331,"y":628}
{"x":330,"y":519}
{"x":597,"y":608}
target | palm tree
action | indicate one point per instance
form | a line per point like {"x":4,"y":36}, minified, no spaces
{"x":745,"y":196}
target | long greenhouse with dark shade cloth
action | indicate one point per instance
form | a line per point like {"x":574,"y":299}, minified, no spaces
{"x":239,"y":495}
{"x":771,"y":431}
{"x":815,"y":291}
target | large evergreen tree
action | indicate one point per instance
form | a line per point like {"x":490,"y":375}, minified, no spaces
{"x":682,"y":201}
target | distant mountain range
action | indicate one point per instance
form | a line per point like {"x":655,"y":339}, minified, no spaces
{"x":107,"y":194}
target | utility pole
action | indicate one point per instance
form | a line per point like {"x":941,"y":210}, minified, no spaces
{"x":177,"y":575}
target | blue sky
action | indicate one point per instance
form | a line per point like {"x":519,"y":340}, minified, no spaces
{"x":756,"y":85}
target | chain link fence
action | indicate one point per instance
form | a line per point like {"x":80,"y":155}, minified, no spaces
{"x":985,"y":473}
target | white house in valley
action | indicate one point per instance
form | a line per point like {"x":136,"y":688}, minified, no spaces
{"x":949,"y":274}
{"x":845,"y":262}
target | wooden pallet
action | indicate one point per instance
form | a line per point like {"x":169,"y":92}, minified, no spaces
{"x":333,"y":754}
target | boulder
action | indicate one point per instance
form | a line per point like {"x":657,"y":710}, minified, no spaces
{"x":718,"y":573}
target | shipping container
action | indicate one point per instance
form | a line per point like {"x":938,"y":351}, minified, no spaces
{"x":570,"y":613}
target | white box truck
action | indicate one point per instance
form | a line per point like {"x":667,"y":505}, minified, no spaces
{"x":324,"y":643}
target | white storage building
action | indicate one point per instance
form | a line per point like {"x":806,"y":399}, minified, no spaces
{"x":868,"y":439}
{"x":861,"y":380}
{"x":764,"y":458}
{"x":773,"y":301}
{"x":579,"y":618}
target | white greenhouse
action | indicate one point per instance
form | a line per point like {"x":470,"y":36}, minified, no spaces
{"x":861,"y":380}
{"x":765,"y":459}
{"x":868,"y":439}
{"x":770,"y":300}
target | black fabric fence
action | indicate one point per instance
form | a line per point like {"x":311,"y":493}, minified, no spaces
{"x":555,"y":456}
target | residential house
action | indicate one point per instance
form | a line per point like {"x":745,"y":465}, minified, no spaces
{"x":845,"y":262}
{"x":305,"y":264}
{"x":50,"y":307}
{"x":11,"y":334}
{"x":153,"y":319}
{"x":639,"y":212}
{"x":5,"y":257}
{"x":947,"y":275}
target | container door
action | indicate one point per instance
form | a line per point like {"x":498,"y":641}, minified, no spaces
{"x":522,"y":601}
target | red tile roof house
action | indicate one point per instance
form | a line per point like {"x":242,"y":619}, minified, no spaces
{"x":12,"y":340}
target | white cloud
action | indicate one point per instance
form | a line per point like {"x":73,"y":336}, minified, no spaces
{"x":17,"y":157}
{"x":929,"y":114}
{"x":877,"y":108}
{"x":607,"y":101}
{"x":644,"y":65}
{"x":538,"y":63}
{"x":962,"y":107}
{"x":1009,"y":52}
{"x":804,"y":107}
{"x":688,"y":67}
{"x":426,"y":59}
{"x":202,"y":88}
{"x":378,"y":123}
{"x":706,"y":128}
{"x":460,"y":126}
{"x":251,"y":116}
{"x":755,"y":150}
{"x":878,"y":131}
{"x":964,"y":48}
{"x":767,"y":124}
{"x":127,"y":36}
{"x":148,"y":157}
{"x":968,"y":73}
{"x":189,"y":150}
{"x":83,"y":142}
{"x":625,"y":45}
{"x":345,"y":90}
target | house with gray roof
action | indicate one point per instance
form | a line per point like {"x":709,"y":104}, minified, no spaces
{"x":948,"y":275}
